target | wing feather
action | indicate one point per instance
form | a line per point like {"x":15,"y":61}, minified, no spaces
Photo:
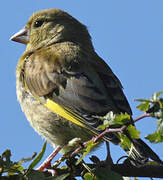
{"x":83,"y":89}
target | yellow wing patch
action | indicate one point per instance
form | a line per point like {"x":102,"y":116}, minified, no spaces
{"x":62,"y":112}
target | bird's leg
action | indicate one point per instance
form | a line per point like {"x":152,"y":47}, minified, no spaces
{"x":108,"y":157}
{"x":108,"y":162}
{"x":47,"y":163}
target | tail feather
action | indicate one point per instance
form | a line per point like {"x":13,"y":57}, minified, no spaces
{"x":140,"y":153}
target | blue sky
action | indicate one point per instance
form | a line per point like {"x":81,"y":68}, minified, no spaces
{"x":127,"y":34}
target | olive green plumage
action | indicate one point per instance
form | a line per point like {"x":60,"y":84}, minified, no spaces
{"x":60,"y":64}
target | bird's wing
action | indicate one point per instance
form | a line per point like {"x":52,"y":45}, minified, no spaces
{"x":112,"y":84}
{"x":75,"y":90}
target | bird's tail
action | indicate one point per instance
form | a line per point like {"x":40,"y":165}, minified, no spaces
{"x":140,"y":153}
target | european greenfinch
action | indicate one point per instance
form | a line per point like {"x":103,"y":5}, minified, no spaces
{"x":63,"y":85}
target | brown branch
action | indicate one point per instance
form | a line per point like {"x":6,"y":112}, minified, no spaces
{"x":108,"y":130}
{"x":143,"y":171}
{"x":142,"y":116}
{"x":97,"y":138}
{"x":155,"y":171}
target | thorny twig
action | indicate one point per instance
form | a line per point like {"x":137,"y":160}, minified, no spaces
{"x":108,"y":130}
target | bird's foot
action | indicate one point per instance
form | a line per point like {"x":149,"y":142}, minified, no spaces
{"x":108,"y":162}
{"x":47,"y":163}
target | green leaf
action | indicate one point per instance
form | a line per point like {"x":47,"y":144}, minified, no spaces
{"x":102,"y":174}
{"x":161,"y":103}
{"x":7,"y":166}
{"x":114,"y":120}
{"x":7,"y":155}
{"x":143,"y":106}
{"x":159,"y":93}
{"x":15,"y":168}
{"x":154,"y":107}
{"x":157,"y":114}
{"x":143,"y":100}
{"x":155,"y":137}
{"x":38,"y":158}
{"x":154,"y":97}
{"x":102,"y":127}
{"x":133,"y":132}
{"x":87,"y":149}
{"x":122,"y":119}
{"x":160,"y":124}
{"x":89,"y":176}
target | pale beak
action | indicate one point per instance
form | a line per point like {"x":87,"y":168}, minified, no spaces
{"x":22,"y":36}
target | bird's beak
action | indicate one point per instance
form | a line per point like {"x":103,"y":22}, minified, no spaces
{"x":21,"y":36}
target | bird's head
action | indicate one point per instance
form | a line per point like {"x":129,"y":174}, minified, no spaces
{"x":51,"y":26}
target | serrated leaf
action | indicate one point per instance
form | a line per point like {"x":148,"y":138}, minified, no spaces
{"x":109,"y":116}
{"x":7,"y":155}
{"x":105,"y":124}
{"x":119,"y":119}
{"x":7,"y":166}
{"x":102,"y":174}
{"x":38,"y":158}
{"x":122,"y":119}
{"x":105,"y":174}
{"x":18,"y":167}
{"x":89,"y":176}
{"x":155,"y":96}
{"x":160,"y":101}
{"x":15,"y":168}
{"x":155,"y":137}
{"x":133,"y":132}
{"x":157,"y":114}
{"x":143,"y":100}
{"x":159,"y":93}
{"x":160,"y":125}
{"x":107,"y":120}
{"x":102,"y":127}
{"x":143,"y":106}
{"x":87,"y":149}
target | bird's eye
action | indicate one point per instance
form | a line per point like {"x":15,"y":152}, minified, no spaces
{"x":38,"y":23}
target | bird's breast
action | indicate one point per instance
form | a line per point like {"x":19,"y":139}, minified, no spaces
{"x":52,"y":127}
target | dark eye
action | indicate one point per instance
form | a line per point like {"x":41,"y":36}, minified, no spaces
{"x":38,"y":23}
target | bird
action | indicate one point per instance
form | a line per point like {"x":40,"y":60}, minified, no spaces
{"x":63,"y":85}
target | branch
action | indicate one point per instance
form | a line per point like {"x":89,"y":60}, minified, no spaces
{"x":142,"y":116}
{"x":155,"y":171}
{"x":98,"y":138}
{"x":143,"y":171}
